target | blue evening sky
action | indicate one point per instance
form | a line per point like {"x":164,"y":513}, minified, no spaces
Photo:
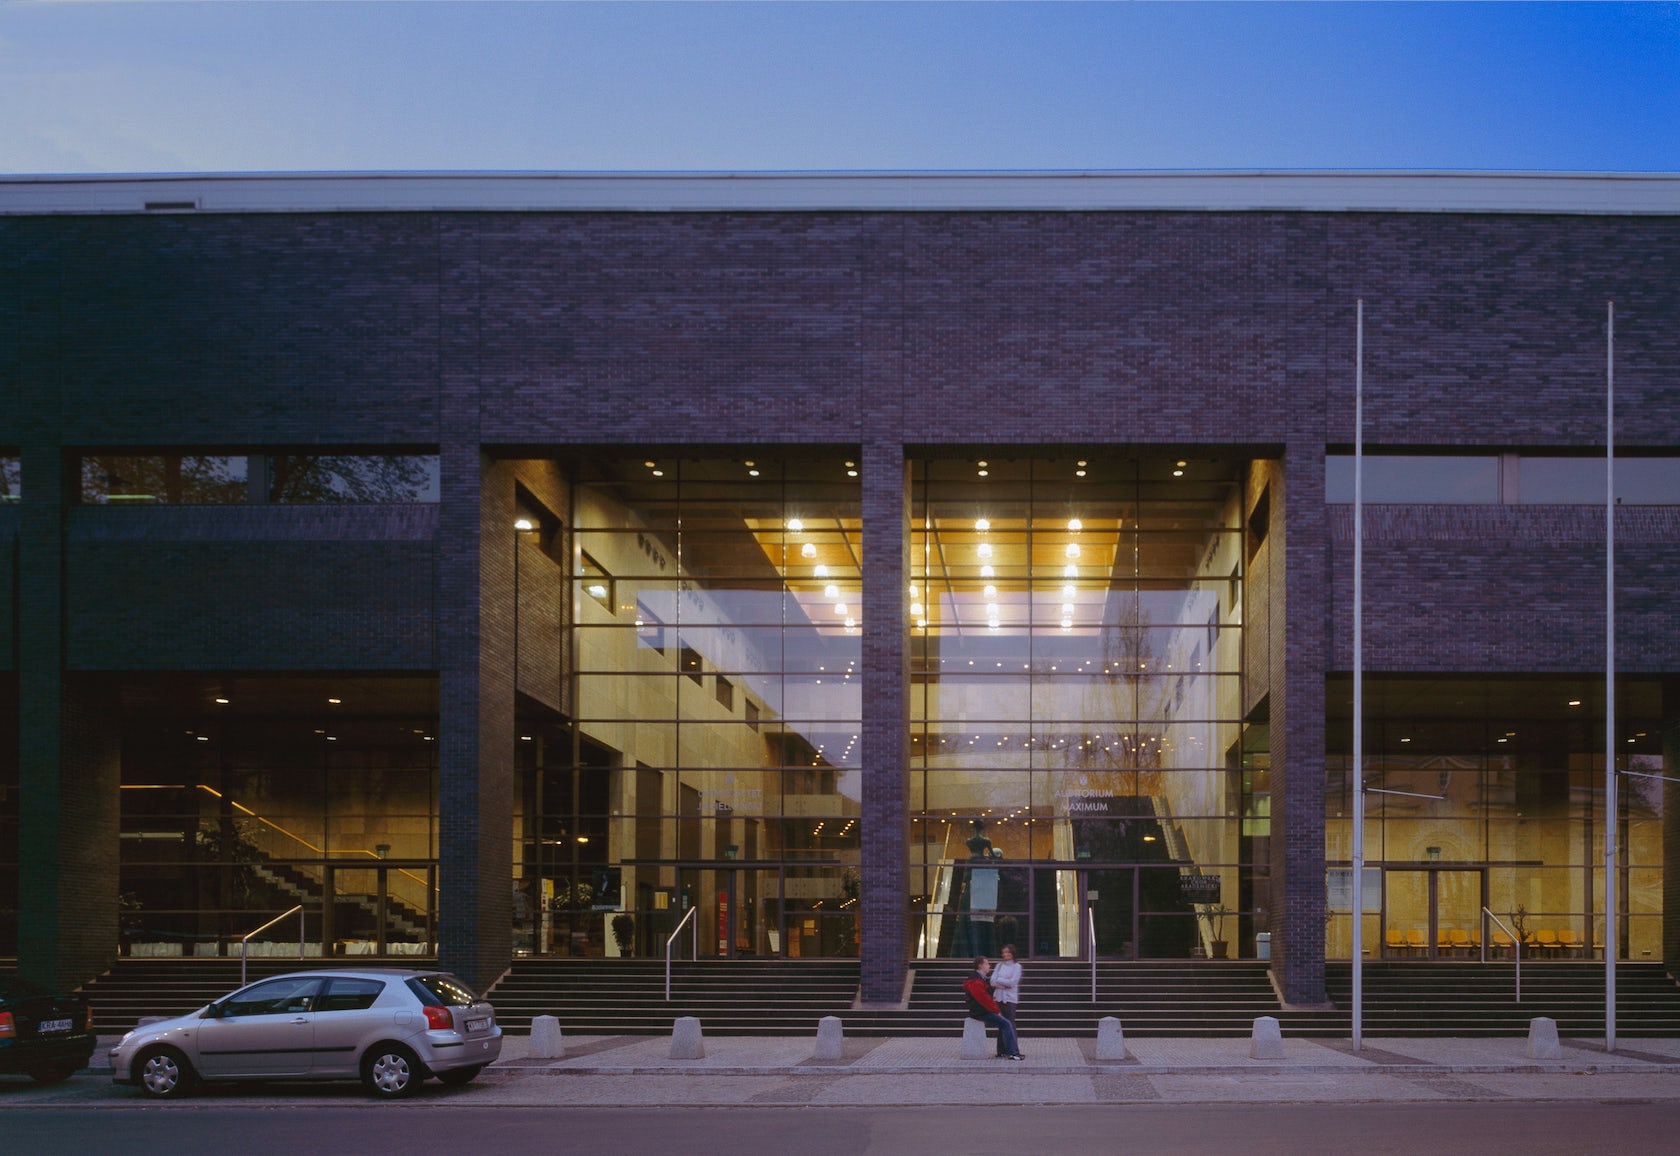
{"x":261,"y":86}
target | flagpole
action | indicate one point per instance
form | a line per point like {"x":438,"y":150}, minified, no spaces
{"x":1358,"y":903}
{"x":1611,"y":936}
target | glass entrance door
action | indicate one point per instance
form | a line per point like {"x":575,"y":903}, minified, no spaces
{"x":1432,"y":912}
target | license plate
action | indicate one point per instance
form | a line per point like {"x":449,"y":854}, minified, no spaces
{"x":477,"y":1025}
{"x":57,"y":1025}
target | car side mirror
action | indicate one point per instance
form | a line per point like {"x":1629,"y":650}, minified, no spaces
{"x":212,"y":1012}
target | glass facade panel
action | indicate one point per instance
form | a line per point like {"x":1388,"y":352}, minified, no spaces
{"x":714,"y":764}
{"x":1491,"y":792}
{"x":242,"y":796}
{"x":1075,"y":695}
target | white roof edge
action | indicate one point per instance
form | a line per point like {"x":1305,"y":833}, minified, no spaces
{"x":1217,"y":191}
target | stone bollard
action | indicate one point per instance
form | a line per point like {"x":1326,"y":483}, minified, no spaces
{"x":1111,"y":1041}
{"x":686,"y":1040}
{"x":546,"y":1043}
{"x":830,"y":1037}
{"x":975,"y":1044}
{"x":1543,"y":1039}
{"x":1268,"y":1040}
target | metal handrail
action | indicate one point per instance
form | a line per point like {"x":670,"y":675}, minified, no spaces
{"x":1091,"y":937}
{"x":1515,"y":939}
{"x":245,"y":940}
{"x":671,"y":941}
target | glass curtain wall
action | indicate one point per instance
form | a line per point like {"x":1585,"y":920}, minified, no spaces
{"x":715,"y":763}
{"x":1075,"y":706}
{"x":1490,"y":793}
{"x":245,"y":796}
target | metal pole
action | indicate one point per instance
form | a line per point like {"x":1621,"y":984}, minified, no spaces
{"x":1358,"y":903}
{"x":1610,"y":930}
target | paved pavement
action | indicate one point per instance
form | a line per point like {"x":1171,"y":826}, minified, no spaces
{"x":615,"y":1070}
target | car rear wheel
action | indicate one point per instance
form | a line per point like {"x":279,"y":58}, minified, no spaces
{"x":52,"y":1073}
{"x":164,"y":1073}
{"x":455,"y":1077}
{"x":391,"y":1071}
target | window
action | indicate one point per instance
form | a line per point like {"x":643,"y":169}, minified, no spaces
{"x":274,"y":997}
{"x":176,"y":479}
{"x":228,"y":479}
{"x":595,"y":581}
{"x":1503,"y":479}
{"x":350,"y":995}
{"x":11,"y":478}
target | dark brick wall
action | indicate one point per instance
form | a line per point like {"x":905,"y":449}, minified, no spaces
{"x":1473,"y":588}
{"x":272,"y":605}
{"x":260,"y":330}
{"x":8,"y":588}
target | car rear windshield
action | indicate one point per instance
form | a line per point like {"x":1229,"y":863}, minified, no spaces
{"x":442,"y":991}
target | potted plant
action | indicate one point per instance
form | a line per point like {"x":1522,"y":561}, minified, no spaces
{"x":624,"y":933}
{"x":1219,"y":948}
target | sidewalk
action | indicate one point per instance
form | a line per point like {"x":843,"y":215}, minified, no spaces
{"x":616,"y":1070}
{"x":735,"y":1070}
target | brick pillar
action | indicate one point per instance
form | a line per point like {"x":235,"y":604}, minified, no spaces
{"x":886,"y":722}
{"x":475,"y":708}
{"x":1670,"y":826}
{"x":1299,"y":539}
{"x":69,"y":767}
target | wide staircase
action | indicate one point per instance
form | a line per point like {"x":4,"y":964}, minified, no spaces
{"x":169,"y":986}
{"x":788,"y":997}
{"x":1480,"y":999}
{"x":1208,"y":999}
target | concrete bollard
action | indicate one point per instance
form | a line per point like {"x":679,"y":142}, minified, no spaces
{"x":975,"y":1044}
{"x":687,"y":1042}
{"x":1268,"y":1040}
{"x":1111,"y":1041}
{"x":546,"y":1043}
{"x":830,"y":1038}
{"x":1543,"y":1039}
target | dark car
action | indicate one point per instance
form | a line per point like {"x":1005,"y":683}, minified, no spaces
{"x":44,"y":1036}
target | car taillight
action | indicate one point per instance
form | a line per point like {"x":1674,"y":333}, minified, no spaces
{"x":90,"y":1017}
{"x":8,"y":1026}
{"x":439,"y":1019}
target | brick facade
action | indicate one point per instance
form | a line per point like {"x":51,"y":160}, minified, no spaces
{"x":489,"y":337}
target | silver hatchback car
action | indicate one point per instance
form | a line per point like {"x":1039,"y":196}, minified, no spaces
{"x":389,"y":1028}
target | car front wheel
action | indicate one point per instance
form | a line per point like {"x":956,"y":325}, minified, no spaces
{"x":391,"y":1071}
{"x":164,"y":1073}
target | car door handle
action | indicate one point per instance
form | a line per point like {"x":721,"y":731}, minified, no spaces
{"x":299,"y":1020}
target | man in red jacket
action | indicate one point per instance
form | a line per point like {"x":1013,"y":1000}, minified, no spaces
{"x":982,"y":1007}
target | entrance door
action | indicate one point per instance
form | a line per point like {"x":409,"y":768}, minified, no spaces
{"x":1432,"y":912}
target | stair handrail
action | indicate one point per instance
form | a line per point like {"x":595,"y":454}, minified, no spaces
{"x":671,"y":940}
{"x":245,"y":940}
{"x":1515,"y":939}
{"x":1091,"y":938}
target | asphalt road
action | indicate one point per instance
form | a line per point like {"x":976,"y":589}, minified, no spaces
{"x":319,"y":1121}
